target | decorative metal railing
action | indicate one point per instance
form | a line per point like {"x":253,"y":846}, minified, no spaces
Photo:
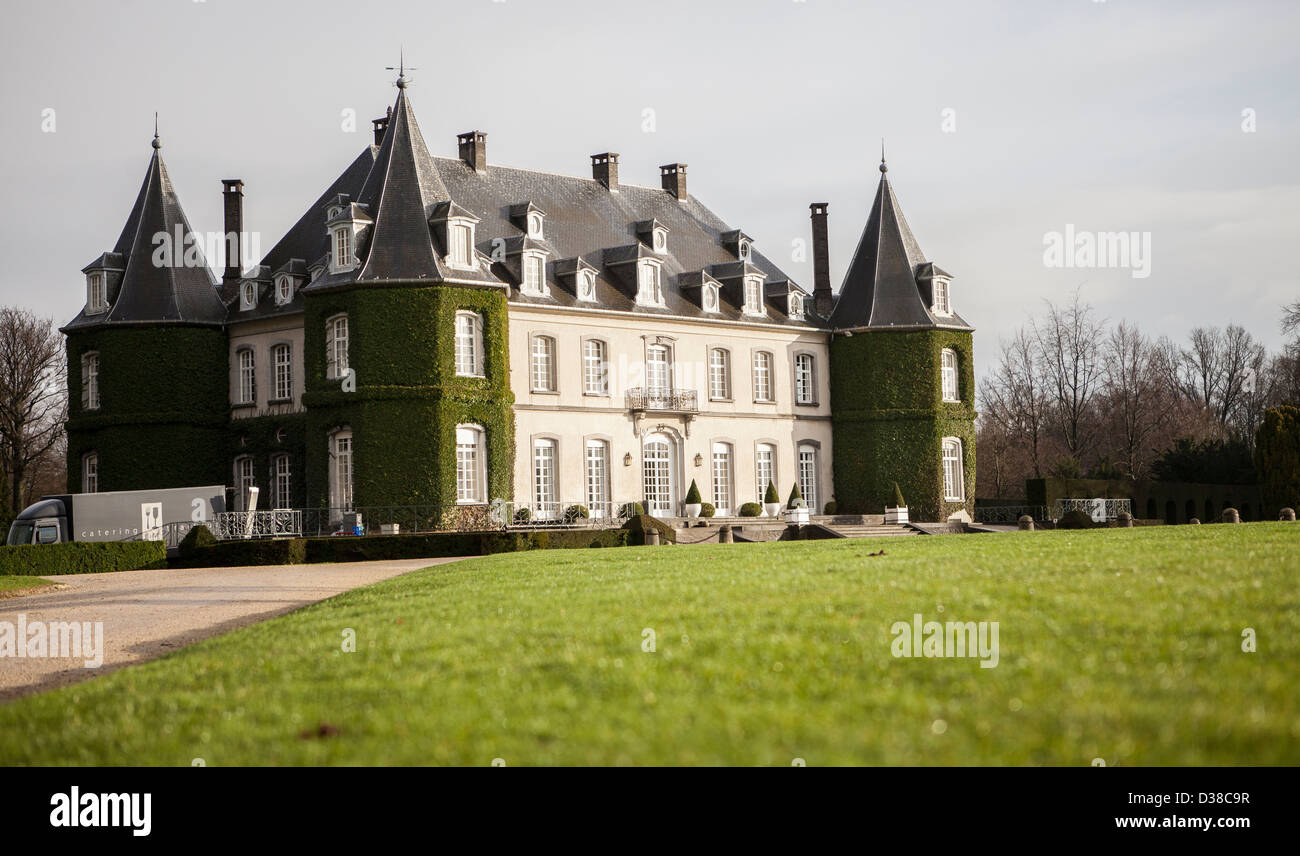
{"x":497,"y":515}
{"x":272,"y":523}
{"x":1097,"y":509}
{"x":664,"y":400}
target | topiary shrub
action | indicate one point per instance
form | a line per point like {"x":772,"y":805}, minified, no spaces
{"x":574,"y":513}
{"x":198,"y":538}
{"x":831,"y":508}
{"x":636,"y":528}
{"x":1277,"y":457}
{"x":1075,"y":518}
{"x":796,"y":498}
{"x":751,"y":509}
{"x":631,"y":509}
{"x":899,"y":502}
{"x":770,"y":495}
{"x":707,"y":509}
{"x":693,"y":494}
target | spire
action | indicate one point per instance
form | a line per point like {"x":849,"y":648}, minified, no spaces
{"x":157,"y":143}
{"x":881,"y":287}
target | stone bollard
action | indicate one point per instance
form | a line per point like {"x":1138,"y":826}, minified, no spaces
{"x":652,"y":537}
{"x":724,"y":534}
{"x":1124,"y":520}
{"x":1026,"y":522}
{"x":1194,"y":522}
{"x":1287,"y":514}
{"x":1231,"y":515}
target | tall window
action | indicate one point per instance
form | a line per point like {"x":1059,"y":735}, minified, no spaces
{"x":753,"y":296}
{"x":461,"y":250}
{"x":948,"y":374}
{"x":469,"y":464}
{"x":336,"y":347}
{"x":597,"y":472}
{"x":808,"y":475}
{"x":954,"y":481}
{"x":649,"y":290}
{"x":719,"y":374}
{"x":469,"y":344}
{"x":764,"y":468}
{"x":90,"y":381}
{"x":247,"y":377}
{"x":281,"y":496}
{"x":721,"y":475}
{"x":657,"y":475}
{"x":941,"y":306}
{"x":534,"y":274}
{"x":341,"y":470}
{"x":343,"y":248}
{"x":90,"y":473}
{"x":96,"y":294}
{"x":658,"y":370}
{"x":595,"y":373}
{"x":805,"y":379}
{"x":542,"y":365}
{"x":282,"y":357}
{"x":762,"y":376}
{"x":245,"y":478}
{"x":544,"y":487}
{"x":796,"y":305}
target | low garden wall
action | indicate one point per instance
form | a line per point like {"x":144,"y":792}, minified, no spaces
{"x":82,"y":557}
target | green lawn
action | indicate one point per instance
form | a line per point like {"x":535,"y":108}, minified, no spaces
{"x":11,"y":585}
{"x":1122,"y":644}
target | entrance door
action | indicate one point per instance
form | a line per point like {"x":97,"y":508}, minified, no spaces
{"x":657,"y":471}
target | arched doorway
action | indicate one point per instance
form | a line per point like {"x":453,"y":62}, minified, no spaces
{"x":1171,"y":512}
{"x":1191,"y":510}
{"x":1151,"y":509}
{"x":659,"y":474}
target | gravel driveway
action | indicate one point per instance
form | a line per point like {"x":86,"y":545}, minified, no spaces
{"x":146,"y":614}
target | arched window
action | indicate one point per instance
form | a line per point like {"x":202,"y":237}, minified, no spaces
{"x":753,"y":304}
{"x":764,"y":469}
{"x":596,"y":464}
{"x":341,"y":465}
{"x":469,"y":344}
{"x":805,"y":379}
{"x":948,"y":375}
{"x":658,"y":372}
{"x":658,"y":477}
{"x":90,"y":381}
{"x":336,"y":347}
{"x":720,"y":475}
{"x":247,"y":389}
{"x":471,"y":460}
{"x":245,"y":477}
{"x":763,"y":376}
{"x":719,"y":374}
{"x":808,"y":474}
{"x":595,"y":371}
{"x":542,"y":364}
{"x":90,"y":472}
{"x":281,"y":495}
{"x":282,"y":361}
{"x":546,"y":504}
{"x":954,"y":478}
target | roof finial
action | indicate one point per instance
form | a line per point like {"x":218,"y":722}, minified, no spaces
{"x":157,"y":143}
{"x":883,"y":167}
{"x":401,"y":69}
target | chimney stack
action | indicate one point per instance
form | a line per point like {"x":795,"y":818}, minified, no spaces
{"x":381,"y":125}
{"x":472,"y":148}
{"x":604,"y":168}
{"x":232,"y":196}
{"x":821,"y":260}
{"x":673,"y":178}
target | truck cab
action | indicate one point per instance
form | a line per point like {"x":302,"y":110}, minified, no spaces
{"x":44,"y":522}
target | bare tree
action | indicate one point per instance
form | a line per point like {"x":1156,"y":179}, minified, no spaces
{"x":33,"y":401}
{"x":1068,"y":341}
{"x":1134,"y":394}
{"x":1223,"y":368}
{"x":1015,"y":399}
{"x":1291,"y":317}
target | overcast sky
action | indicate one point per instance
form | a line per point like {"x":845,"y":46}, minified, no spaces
{"x":1003,"y":121}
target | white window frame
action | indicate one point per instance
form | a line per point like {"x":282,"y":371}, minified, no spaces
{"x":719,"y":374}
{"x":533,"y":279}
{"x":807,"y":461}
{"x":764,"y":473}
{"x":90,"y":472}
{"x":460,"y":243}
{"x":805,"y":379}
{"x":753,"y":296}
{"x":342,"y":469}
{"x":90,"y":380}
{"x":795,"y":306}
{"x":721,"y":477}
{"x":595,"y":367}
{"x":342,"y":252}
{"x":247,"y":296}
{"x":471,"y":465}
{"x":941,"y":305}
{"x":245,"y":376}
{"x":711,"y":302}
{"x":282,"y":366}
{"x":948,"y":382}
{"x":653,"y":377}
{"x":245,"y":476}
{"x":336,"y":346}
{"x":283,"y":290}
{"x":541,"y":364}
{"x":587,"y":285}
{"x":96,"y":293}
{"x":595,"y":468}
{"x":281,"y":481}
{"x":659,"y":239}
{"x":546,"y":471}
{"x":469,"y":344}
{"x":649,"y":283}
{"x":764,"y":391}
{"x":954,"y":470}
{"x":535,"y":224}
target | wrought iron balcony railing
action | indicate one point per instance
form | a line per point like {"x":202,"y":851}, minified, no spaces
{"x":663,"y":400}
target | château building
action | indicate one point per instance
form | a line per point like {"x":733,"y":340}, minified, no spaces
{"x":438,"y":330}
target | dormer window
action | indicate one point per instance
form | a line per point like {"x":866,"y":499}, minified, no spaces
{"x":587,"y":285}
{"x":342,"y":259}
{"x":940,"y":304}
{"x":649,"y":284}
{"x":534,"y":276}
{"x":753,"y":296}
{"x":283,"y":290}
{"x":796,"y":305}
{"x":710,"y":300}
{"x":742,"y":250}
{"x":96,"y":293}
{"x":659,"y":239}
{"x":332,"y":212}
{"x":247,"y":296}
{"x":461,"y":239}
{"x":535,"y":224}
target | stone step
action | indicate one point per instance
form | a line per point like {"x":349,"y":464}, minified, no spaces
{"x":872,"y":531}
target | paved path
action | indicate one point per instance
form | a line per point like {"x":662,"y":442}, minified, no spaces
{"x":149,"y":613}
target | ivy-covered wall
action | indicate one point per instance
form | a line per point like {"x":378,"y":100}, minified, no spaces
{"x":263,"y":439}
{"x":163,"y":407}
{"x":890,"y":420}
{"x":408,"y":400}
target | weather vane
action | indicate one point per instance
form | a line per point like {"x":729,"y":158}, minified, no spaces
{"x":400,"y":69}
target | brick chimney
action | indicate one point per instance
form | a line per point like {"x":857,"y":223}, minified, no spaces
{"x":604,"y":168}
{"x":673,"y":178}
{"x":472,"y":149}
{"x":821,"y":260}
{"x":232,"y":196}
{"x":381,"y":125}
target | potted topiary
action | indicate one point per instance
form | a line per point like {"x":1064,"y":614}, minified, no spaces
{"x":708,"y":509}
{"x":897,"y":514}
{"x":751,"y":509}
{"x":694,"y":502}
{"x":771,"y":501}
{"x":796,"y":509}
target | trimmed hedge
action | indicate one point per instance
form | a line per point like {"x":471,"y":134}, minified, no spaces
{"x":367,"y":548}
{"x":637,"y":526}
{"x":82,"y":557}
{"x":236,"y":554}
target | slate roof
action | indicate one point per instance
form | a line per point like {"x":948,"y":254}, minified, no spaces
{"x":888,"y":281}
{"x":141,"y":291}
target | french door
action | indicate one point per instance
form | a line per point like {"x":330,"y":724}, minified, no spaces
{"x":657,"y":471}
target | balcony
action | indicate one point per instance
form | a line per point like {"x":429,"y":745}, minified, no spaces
{"x":662,"y":400}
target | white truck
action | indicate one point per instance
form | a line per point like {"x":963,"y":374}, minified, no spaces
{"x":124,"y":515}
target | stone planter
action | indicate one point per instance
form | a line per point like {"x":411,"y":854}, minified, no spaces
{"x":798,"y":516}
{"x":390,"y":528}
{"x":896,"y":515}
{"x":693,"y":509}
{"x":771,"y":509}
